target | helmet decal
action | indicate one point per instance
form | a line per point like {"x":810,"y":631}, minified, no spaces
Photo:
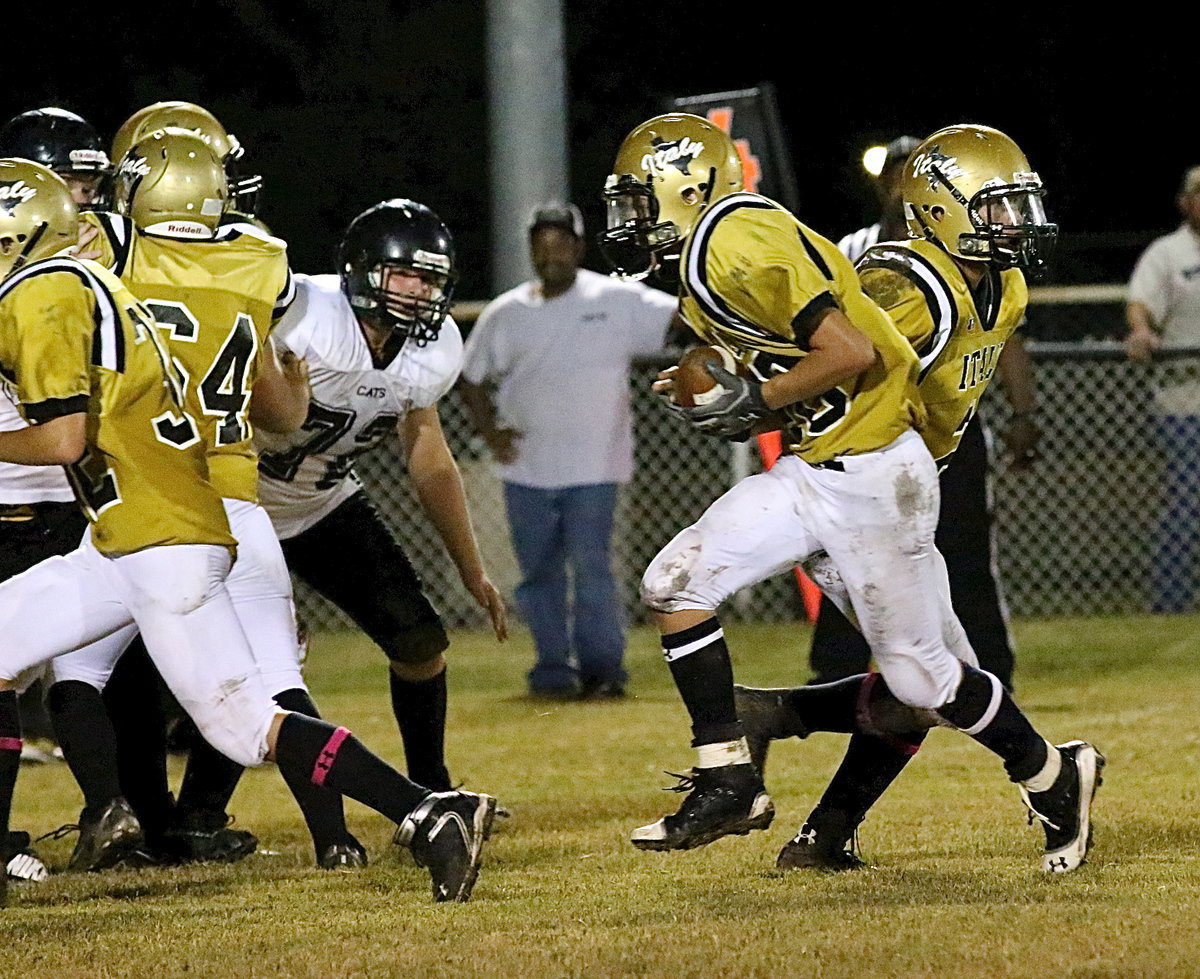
{"x":678,"y":153}
{"x":14,"y":193}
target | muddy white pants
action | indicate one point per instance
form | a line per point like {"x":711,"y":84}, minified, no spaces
{"x":176,"y":596}
{"x":875,"y":516}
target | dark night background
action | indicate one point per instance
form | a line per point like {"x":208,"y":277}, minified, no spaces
{"x":341,"y":104}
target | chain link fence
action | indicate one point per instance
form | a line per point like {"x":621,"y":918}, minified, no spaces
{"x":1075,"y":535}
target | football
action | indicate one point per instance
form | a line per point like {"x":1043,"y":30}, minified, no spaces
{"x":692,"y":384}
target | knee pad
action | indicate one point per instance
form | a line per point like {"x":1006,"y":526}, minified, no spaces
{"x":913,"y":682}
{"x":420,"y":644}
{"x":240,"y":747}
{"x":670,"y":573}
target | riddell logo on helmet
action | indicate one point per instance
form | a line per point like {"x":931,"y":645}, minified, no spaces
{"x":678,"y":153}
{"x":15,"y":193}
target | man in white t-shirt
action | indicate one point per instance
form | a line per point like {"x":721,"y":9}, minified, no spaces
{"x":546,"y":379}
{"x":1164,"y":310}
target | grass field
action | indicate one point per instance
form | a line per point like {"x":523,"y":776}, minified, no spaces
{"x":954,"y":889}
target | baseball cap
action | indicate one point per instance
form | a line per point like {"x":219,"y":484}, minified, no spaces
{"x":556,"y":214}
{"x":1191,"y":181}
{"x":898,"y":150}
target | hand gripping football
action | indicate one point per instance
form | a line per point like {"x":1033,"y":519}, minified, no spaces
{"x":693,"y":386}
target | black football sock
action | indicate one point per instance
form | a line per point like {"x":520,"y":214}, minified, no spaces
{"x":870,"y":765}
{"x":983,"y":709}
{"x":10,"y":754}
{"x":322,"y":809}
{"x":85,"y":734}
{"x":35,"y":720}
{"x":703,"y":674}
{"x":208,"y":784}
{"x":135,"y":708}
{"x":827,"y":706}
{"x":329,"y":756}
{"x":420,"y":709}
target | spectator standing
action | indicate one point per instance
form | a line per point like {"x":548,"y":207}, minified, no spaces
{"x":1164,"y":310}
{"x":546,"y":381}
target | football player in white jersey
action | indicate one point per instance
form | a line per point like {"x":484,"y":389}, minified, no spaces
{"x":381,"y":350}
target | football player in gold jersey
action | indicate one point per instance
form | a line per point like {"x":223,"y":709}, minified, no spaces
{"x":859,"y":484}
{"x":956,"y":289}
{"x":215,"y":294}
{"x":217,"y":290}
{"x":83,"y":358}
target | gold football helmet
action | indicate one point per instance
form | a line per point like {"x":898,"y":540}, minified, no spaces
{"x":971,"y":190}
{"x":667,"y":171}
{"x":171,"y":181}
{"x":188,"y":115}
{"x":38,"y":218}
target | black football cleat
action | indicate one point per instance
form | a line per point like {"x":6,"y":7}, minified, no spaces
{"x":445,"y":834}
{"x":1065,"y":809}
{"x":821,"y":844}
{"x":107,"y":839}
{"x":207,"y":837}
{"x":725,"y":801}
{"x":346,"y":856}
{"x":766,"y":717}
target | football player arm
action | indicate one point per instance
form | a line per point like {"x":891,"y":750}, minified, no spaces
{"x":279,"y":400}
{"x":501,"y":441}
{"x":60,"y":441}
{"x":438,"y":485}
{"x":837,"y":351}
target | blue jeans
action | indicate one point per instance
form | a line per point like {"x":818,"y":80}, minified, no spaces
{"x":1173,"y":574}
{"x":563,"y":536}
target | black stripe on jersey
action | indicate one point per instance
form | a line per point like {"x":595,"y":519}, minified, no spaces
{"x":815,"y":255}
{"x":995,"y":297}
{"x":51,"y":408}
{"x":285,"y":298}
{"x":119,"y":232}
{"x":804,"y":323}
{"x":108,"y":339}
{"x":939,"y":299}
{"x":696,"y":277}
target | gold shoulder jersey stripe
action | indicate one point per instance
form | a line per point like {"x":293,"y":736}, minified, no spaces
{"x":217,"y":300}
{"x":108,"y":340}
{"x":75,"y":340}
{"x":751,"y":270}
{"x":959,"y":344}
{"x":943,"y":311}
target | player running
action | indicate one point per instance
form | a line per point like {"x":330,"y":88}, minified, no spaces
{"x":856,"y":481}
{"x":957,"y":291}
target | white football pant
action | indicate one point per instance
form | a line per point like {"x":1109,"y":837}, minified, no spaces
{"x":175,"y":595}
{"x":875,"y":520}
{"x":261,"y":591}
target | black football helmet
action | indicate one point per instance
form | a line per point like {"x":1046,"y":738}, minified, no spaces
{"x":63,"y":142}
{"x":398,"y":234}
